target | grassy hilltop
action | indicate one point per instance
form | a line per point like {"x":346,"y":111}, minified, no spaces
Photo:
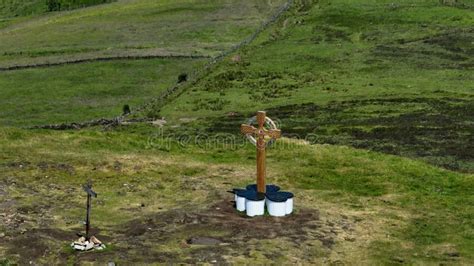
{"x":381,"y":90}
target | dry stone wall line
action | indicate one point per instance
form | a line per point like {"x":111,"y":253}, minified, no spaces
{"x":102,"y":59}
{"x":176,"y":89}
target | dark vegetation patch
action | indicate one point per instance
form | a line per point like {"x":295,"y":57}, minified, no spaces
{"x":451,"y":49}
{"x":58,"y":5}
{"x":263,"y":86}
{"x":439,"y":130}
{"x":213,"y":104}
{"x":330,"y":34}
{"x":457,"y":3}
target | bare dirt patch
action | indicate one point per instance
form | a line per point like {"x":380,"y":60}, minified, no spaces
{"x":193,"y":234}
{"x":214,"y":234}
{"x":35,"y":244}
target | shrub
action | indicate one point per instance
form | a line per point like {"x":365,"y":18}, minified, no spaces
{"x":126,"y":110}
{"x":182,"y":77}
{"x":304,"y":5}
{"x":153,"y":113}
{"x":54,"y":5}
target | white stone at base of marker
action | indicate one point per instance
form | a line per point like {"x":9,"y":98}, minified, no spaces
{"x":84,"y":246}
{"x":240,"y":203}
{"x":87,"y":245}
{"x":277,"y":209}
{"x":289,"y":206}
{"x":255,"y":207}
{"x":78,"y":247}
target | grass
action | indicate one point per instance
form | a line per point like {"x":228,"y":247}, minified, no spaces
{"x":14,"y":8}
{"x":355,"y":80}
{"x":87,"y":91}
{"x":426,"y":211}
{"x":74,"y":93}
{"x":145,"y":27}
{"x":18,"y":8}
{"x":391,"y":77}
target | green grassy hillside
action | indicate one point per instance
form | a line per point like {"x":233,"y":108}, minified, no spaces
{"x":74,"y":93}
{"x":391,"y":77}
{"x":381,"y":92}
{"x":18,"y":8}
{"x":145,"y":27}
{"x":82,"y":92}
{"x":15,"y":8}
{"x":156,"y":194}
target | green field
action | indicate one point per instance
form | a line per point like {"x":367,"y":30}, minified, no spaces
{"x":18,"y":8}
{"x":74,"y":93}
{"x":146,"y":27}
{"x":375,"y":101}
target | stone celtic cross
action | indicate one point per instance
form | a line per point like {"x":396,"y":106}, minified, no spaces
{"x":257,"y":137}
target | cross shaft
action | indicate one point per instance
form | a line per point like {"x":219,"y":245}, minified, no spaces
{"x":90,"y":194}
{"x":260,"y":133}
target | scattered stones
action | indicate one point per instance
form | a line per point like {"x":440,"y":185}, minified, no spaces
{"x":95,"y":240}
{"x":159,"y":122}
{"x":84,"y":245}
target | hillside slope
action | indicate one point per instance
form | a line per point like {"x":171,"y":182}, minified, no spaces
{"x":378,"y":75}
{"x":391,"y":77}
{"x":157,"y":195}
{"x":146,"y":27}
{"x":172,"y":38}
{"x":18,"y":8}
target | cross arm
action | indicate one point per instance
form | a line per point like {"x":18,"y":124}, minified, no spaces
{"x":274,"y":133}
{"x":247,"y":129}
{"x":89,"y":191}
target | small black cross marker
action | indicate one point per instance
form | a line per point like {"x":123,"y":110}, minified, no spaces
{"x":90,"y":193}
